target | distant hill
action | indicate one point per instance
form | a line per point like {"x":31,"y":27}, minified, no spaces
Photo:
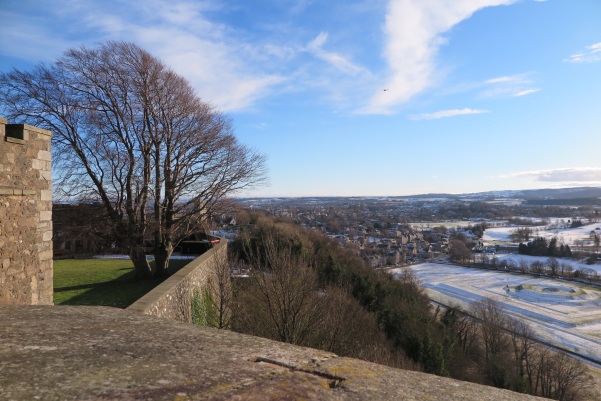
{"x":548,"y":196}
{"x":563,"y":193}
{"x":557,"y":196}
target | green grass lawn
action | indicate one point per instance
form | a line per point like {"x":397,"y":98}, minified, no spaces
{"x":107,"y":282}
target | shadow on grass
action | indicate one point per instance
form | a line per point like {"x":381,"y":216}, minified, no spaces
{"x":119,"y":292}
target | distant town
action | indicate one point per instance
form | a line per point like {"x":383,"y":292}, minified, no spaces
{"x":393,"y":231}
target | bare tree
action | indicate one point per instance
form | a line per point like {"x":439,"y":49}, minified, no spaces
{"x":553,"y":265}
{"x":466,"y":331}
{"x":523,"y":265}
{"x":285,"y":302}
{"x":219,"y":286}
{"x":133,"y":135}
{"x":537,"y":267}
{"x":459,"y":252}
{"x":560,"y":377}
{"x":566,"y":269}
{"x":493,"y":324}
{"x":522,"y":342}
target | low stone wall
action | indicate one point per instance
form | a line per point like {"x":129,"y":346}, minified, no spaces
{"x":172,"y":299}
{"x":25,"y":215}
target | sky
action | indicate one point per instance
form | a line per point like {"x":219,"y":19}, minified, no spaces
{"x":366,"y":97}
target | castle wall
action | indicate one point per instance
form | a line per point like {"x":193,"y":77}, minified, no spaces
{"x":26,"y":275}
{"x":172,"y":299}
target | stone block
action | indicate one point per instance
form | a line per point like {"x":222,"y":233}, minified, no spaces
{"x":37,"y":164}
{"x":46,"y":195}
{"x":44,"y":155}
{"x":46,"y":255}
{"x":46,"y":175}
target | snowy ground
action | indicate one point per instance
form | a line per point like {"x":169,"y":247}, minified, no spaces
{"x":576,"y":265}
{"x":563,"y":313}
{"x":571,"y":236}
{"x":574,"y":237}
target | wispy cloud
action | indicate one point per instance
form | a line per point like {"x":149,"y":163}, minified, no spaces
{"x":413,"y":31}
{"x":508,"y":86}
{"x":527,"y":92}
{"x":447,"y":113}
{"x":223,"y":69}
{"x":207,"y":53}
{"x":590,"y":54}
{"x":338,"y":61}
{"x":29,"y":38}
{"x":234,"y":67}
{"x":590,"y":175}
{"x":300,"y":6}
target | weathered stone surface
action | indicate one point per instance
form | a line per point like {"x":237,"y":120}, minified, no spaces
{"x":25,"y":198}
{"x":100,"y":353}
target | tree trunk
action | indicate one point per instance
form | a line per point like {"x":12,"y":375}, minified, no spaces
{"x":162,"y":254}
{"x":141,"y":265}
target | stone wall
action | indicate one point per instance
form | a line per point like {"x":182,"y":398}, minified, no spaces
{"x":25,"y":215}
{"x":172,"y":299}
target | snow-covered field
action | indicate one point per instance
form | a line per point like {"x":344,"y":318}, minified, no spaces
{"x":570,"y":236}
{"x":563,"y":313}
{"x":517,"y":258}
{"x":574,"y":237}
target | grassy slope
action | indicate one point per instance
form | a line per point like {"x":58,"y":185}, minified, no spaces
{"x":107,"y":282}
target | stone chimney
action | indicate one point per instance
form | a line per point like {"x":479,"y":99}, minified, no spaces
{"x":25,"y":215}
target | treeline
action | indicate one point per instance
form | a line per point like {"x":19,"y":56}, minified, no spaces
{"x":461,"y":253}
{"x":503,"y":353}
{"x":305,"y":289}
{"x":541,"y":247}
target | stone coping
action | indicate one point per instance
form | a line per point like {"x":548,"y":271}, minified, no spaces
{"x":31,"y":128}
{"x":98,"y":353}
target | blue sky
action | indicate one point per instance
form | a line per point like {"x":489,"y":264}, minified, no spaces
{"x":367,"y":97}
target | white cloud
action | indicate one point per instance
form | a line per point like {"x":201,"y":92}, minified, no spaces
{"x":447,"y":113}
{"x":339,"y":62}
{"x":527,"y":92}
{"x":231,"y":68}
{"x":589,"y":175}
{"x":224,"y":69}
{"x":508,"y":86}
{"x":413,"y":31}
{"x":504,"y":79}
{"x":223,"y":78}
{"x":591,"y":54}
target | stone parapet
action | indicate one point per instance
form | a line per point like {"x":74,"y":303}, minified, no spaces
{"x":172,"y":298}
{"x":26,"y":275}
{"x":101,"y":353}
